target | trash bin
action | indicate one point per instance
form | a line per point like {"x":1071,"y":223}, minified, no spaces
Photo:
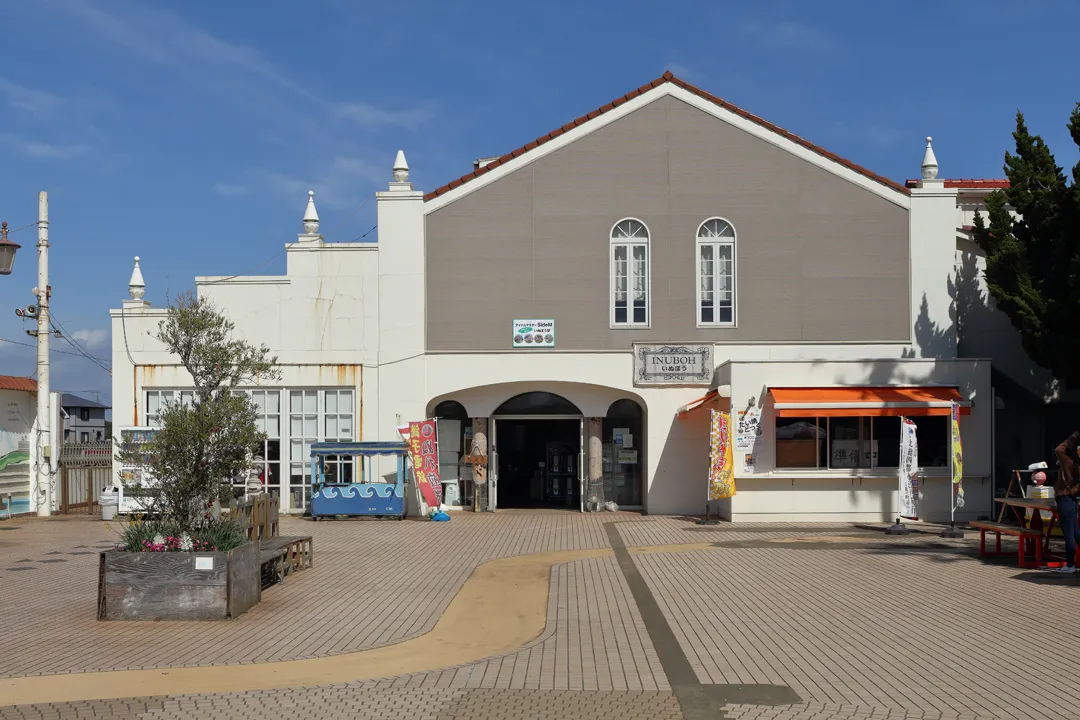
{"x":109,"y":500}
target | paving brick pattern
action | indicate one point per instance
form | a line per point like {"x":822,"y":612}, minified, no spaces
{"x":860,"y":627}
{"x":383,"y":584}
{"x":892,"y":627}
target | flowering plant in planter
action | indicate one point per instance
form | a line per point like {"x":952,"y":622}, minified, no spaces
{"x":184,"y":543}
{"x":151,"y":535}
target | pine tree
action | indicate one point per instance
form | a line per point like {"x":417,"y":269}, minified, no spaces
{"x":1033,"y":257}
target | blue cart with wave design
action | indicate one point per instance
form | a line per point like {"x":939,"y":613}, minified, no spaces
{"x":354,"y":499}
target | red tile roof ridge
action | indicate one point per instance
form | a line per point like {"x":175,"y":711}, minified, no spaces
{"x":667,"y":77}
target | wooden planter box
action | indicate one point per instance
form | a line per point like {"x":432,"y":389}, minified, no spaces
{"x":178,"y":585}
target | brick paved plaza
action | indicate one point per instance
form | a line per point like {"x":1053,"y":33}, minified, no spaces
{"x":663,"y":618}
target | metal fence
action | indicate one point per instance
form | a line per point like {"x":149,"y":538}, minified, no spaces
{"x":85,"y":469}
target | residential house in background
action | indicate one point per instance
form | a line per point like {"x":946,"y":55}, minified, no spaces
{"x":18,"y":396}
{"x":84,"y":420}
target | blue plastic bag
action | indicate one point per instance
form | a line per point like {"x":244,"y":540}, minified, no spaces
{"x":440,"y":516}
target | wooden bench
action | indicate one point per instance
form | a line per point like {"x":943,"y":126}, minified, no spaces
{"x":1024,"y":536}
{"x":278,"y":556}
{"x":282,"y":556}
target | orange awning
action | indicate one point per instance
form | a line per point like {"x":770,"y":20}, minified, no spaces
{"x":861,"y":401}
{"x":711,"y":398}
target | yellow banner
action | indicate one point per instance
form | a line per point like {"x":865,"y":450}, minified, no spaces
{"x":721,"y":467}
{"x":957,"y":457}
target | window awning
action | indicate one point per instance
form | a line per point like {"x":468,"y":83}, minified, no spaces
{"x":719,"y":399}
{"x":862,"y":401}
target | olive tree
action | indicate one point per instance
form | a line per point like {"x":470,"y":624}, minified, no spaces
{"x":204,"y":443}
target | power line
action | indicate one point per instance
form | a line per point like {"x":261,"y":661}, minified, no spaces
{"x":233,"y":277}
{"x":64,"y":336}
{"x":31,"y":345}
{"x":12,"y":232}
{"x":351,"y":216}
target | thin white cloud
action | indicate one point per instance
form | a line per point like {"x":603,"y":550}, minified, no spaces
{"x":881,"y":136}
{"x":343,"y":184}
{"x":91,"y":338}
{"x":158,"y":35}
{"x":43,"y":150}
{"x":228,"y":190}
{"x":369,"y":116}
{"x":878,"y":136}
{"x":683,"y":73}
{"x":788,"y":34}
{"x":28,"y":100}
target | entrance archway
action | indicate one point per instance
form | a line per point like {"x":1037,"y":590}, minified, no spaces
{"x":537,"y":403}
{"x":538,"y":438}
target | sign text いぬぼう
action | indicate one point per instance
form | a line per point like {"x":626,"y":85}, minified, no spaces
{"x":673,"y":364}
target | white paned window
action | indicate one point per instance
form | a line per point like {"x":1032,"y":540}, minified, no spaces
{"x":317,"y":416}
{"x":268,"y":420}
{"x":156,"y":400}
{"x":716,"y":273}
{"x":629,"y":274}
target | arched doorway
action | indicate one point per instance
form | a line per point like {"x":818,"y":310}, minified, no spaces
{"x":537,"y":403}
{"x":538,"y":439}
{"x":624,"y":462}
{"x":454,"y":433}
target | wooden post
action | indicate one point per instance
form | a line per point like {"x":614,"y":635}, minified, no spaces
{"x":64,"y":500}
{"x":479,"y":447}
{"x":596,"y":458}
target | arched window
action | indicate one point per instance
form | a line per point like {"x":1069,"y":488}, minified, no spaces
{"x":451,"y":410}
{"x":537,"y":403}
{"x":716,"y":273}
{"x":629,"y":274}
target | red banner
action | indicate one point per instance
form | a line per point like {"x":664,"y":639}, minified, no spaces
{"x":424,"y":451}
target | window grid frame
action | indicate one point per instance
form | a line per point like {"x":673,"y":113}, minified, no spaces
{"x":828,"y":467}
{"x":287,"y":462}
{"x":628,"y":241}
{"x":716,"y":243}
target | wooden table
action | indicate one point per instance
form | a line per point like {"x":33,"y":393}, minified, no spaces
{"x":1035,"y":523}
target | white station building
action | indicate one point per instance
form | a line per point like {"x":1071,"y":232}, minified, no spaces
{"x":573,"y":308}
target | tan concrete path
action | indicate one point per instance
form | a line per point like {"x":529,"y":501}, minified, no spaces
{"x":501,"y":607}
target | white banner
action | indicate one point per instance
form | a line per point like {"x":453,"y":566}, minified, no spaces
{"x":748,"y":437}
{"x":909,"y":469}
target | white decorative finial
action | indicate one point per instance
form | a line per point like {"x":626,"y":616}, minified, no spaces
{"x":401,"y":168}
{"x":311,"y":216}
{"x":929,"y":161}
{"x":136,"y":285}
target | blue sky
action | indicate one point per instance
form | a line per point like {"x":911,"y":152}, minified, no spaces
{"x":189,"y":132}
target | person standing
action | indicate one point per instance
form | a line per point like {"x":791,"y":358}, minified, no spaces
{"x":1066,"y":490}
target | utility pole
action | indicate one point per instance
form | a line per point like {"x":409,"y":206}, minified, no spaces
{"x":43,"y":451}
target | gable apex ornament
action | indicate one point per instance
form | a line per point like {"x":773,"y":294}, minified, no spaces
{"x":929,"y":161}
{"x":401,"y":168}
{"x":311,"y":215}
{"x":136,"y":285}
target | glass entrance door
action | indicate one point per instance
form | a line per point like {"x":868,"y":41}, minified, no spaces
{"x":582,"y":470}
{"x":493,"y":467}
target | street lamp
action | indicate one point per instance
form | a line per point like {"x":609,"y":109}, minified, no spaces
{"x":7,"y":251}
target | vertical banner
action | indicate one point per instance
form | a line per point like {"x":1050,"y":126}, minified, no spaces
{"x":957,"y":455}
{"x":721,"y":470}
{"x":424,"y":452}
{"x":909,"y":467}
{"x":748,"y":437}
